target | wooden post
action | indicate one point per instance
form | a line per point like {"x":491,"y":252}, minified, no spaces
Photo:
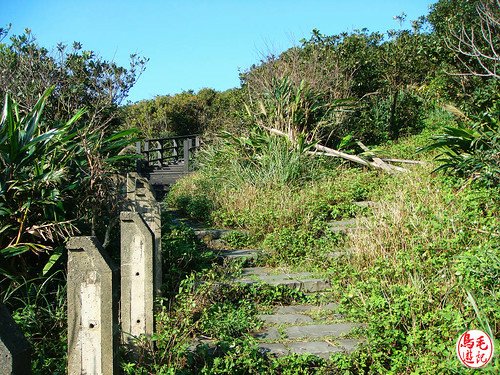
{"x":157,"y":154}
{"x":175,"y":152}
{"x":138,"y":163}
{"x":92,"y":308}
{"x":145,"y":151}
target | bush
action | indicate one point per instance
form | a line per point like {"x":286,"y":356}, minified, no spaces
{"x":39,"y":308}
{"x":472,"y":150}
{"x":48,"y":176}
{"x":386,"y":117}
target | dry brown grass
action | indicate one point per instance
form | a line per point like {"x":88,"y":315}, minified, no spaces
{"x":412,"y":216}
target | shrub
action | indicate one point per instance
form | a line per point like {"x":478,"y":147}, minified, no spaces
{"x":39,"y":308}
{"x":48,"y":175}
{"x":472,"y":150}
{"x":226,"y":321}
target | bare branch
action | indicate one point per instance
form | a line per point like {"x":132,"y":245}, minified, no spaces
{"x":479,"y":45}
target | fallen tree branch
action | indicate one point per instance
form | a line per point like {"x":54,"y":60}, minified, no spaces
{"x":383,"y":165}
{"x":405,"y":161}
{"x":331,"y":152}
{"x":343,"y":155}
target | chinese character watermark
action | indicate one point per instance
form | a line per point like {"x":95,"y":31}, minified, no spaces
{"x":475,"y":348}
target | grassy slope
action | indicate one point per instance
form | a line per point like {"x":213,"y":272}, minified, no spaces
{"x":416,"y":256}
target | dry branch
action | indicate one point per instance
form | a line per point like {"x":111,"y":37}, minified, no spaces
{"x":405,"y":161}
{"x":335,"y":153}
{"x":383,"y":165}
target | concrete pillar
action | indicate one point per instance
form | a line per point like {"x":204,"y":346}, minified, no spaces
{"x":186,"y":144}
{"x":144,"y":203}
{"x":92,"y":309}
{"x":137,"y":293}
{"x":14,"y":348}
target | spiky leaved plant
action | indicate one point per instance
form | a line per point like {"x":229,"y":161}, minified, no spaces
{"x":50,"y":177}
{"x":34,"y":161}
{"x":471,"y":150}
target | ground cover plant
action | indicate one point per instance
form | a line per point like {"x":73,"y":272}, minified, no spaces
{"x":423,"y":262}
{"x":419,"y":267}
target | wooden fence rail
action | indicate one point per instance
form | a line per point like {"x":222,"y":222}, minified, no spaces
{"x":165,"y":160}
{"x":163,"y":152}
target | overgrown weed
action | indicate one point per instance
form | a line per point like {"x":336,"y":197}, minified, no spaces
{"x":413,"y":263}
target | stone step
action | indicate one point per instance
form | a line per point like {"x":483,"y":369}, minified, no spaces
{"x":285,"y":318}
{"x":211,"y":234}
{"x":303,"y":281}
{"x":239,"y":254}
{"x":214,"y":235}
{"x":310,"y":331}
{"x":321,"y":349}
{"x":301,"y":309}
{"x":341,"y":226}
{"x":366,"y":204}
{"x":319,"y":330}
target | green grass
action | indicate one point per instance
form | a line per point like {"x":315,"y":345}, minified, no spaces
{"x":424,"y":266}
{"x":424,"y":263}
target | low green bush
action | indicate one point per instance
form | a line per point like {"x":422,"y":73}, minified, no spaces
{"x":472,"y":148}
{"x":225,"y":321}
{"x":39,"y":307}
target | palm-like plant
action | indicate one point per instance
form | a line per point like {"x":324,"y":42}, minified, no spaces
{"x":47,"y":173}
{"x":472,"y":151}
{"x":33,"y":166}
{"x":295,"y":110}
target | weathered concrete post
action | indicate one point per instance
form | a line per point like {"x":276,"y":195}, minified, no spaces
{"x":140,"y":193}
{"x":92,"y":308}
{"x":187,"y":142}
{"x":137,"y":266}
{"x":14,"y":348}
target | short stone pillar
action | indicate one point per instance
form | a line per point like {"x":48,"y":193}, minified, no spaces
{"x":140,"y":193}
{"x":186,"y":146}
{"x":14,"y":348}
{"x":137,"y":266}
{"x":92,"y":309}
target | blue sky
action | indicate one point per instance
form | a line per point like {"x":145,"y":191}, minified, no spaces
{"x":193,"y":44}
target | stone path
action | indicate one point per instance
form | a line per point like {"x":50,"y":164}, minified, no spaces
{"x":303,"y":281}
{"x":317,"y":330}
{"x":300,"y":329}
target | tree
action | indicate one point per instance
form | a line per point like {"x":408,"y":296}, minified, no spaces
{"x":55,"y":175}
{"x":479,"y":43}
{"x":81,"y":79}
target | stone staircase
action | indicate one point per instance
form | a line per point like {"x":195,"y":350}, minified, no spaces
{"x":302,"y":329}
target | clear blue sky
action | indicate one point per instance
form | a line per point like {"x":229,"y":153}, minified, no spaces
{"x":196,"y":43}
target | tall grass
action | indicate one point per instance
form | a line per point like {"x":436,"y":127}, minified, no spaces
{"x":413,"y":263}
{"x":39,"y":308}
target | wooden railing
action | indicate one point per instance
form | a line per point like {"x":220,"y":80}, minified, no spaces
{"x":160,"y":153}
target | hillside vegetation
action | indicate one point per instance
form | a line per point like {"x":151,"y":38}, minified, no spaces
{"x":407,"y":120}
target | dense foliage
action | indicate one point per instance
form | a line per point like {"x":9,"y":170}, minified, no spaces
{"x":80,"y":77}
{"x":59,"y":145}
{"x":207,"y":111}
{"x":421,"y":267}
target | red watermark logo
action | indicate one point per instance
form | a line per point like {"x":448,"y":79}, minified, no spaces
{"x":475,"y":348}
